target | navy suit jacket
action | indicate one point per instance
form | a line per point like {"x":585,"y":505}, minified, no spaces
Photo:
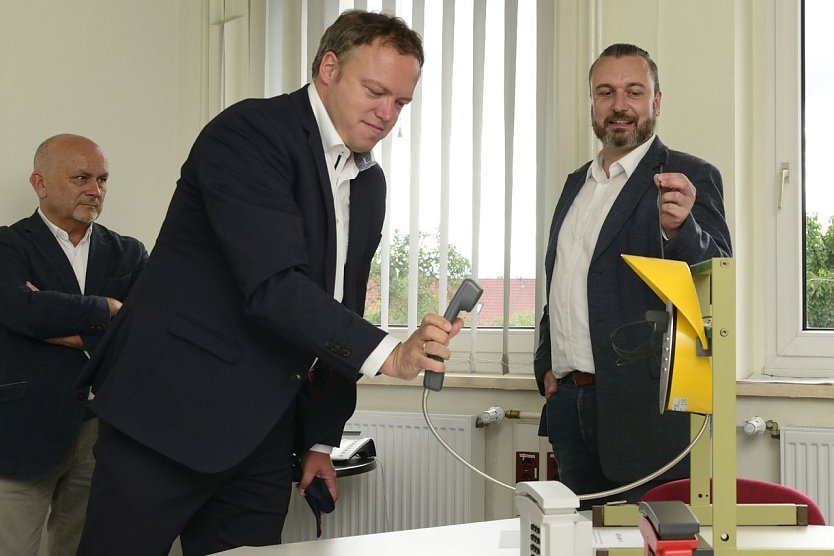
{"x":40,"y":405}
{"x":634,"y":438}
{"x":214,"y":343}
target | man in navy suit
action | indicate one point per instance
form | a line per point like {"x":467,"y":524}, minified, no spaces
{"x":244,"y":338}
{"x":601,"y":415}
{"x":62,"y":279}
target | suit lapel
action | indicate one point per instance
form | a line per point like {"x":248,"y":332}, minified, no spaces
{"x":367,"y":215}
{"x":100,"y":248}
{"x":359,"y":216}
{"x":633,"y":191}
{"x":52,"y":254}
{"x":367,"y":191}
{"x":572,"y":186}
{"x":301,"y":101}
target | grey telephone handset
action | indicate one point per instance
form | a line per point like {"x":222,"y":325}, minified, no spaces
{"x":468,"y":294}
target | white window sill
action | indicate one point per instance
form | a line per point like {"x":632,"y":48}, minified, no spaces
{"x":463,"y":380}
{"x":527,"y":382}
{"x":784,"y":390}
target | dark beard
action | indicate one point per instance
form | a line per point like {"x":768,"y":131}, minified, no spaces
{"x":624,"y":140}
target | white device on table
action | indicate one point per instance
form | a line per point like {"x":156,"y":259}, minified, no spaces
{"x":353,"y":445}
{"x":549,"y":522}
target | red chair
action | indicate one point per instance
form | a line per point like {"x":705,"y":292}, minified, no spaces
{"x":748,"y":491}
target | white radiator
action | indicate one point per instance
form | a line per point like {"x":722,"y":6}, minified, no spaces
{"x":807,"y":462}
{"x":416,"y":483}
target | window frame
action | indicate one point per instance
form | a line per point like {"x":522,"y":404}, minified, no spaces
{"x":790,"y":349}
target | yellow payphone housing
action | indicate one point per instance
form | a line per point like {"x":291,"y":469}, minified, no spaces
{"x":685,"y":371}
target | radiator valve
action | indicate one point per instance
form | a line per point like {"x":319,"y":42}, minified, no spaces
{"x":755,"y":425}
{"x":492,"y":415}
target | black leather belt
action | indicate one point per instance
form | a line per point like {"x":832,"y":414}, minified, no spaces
{"x":579,"y":378}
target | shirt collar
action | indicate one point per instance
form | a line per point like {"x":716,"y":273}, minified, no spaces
{"x":335,"y":150}
{"x":329,"y":136}
{"x":61,"y":234}
{"x":626,"y":164}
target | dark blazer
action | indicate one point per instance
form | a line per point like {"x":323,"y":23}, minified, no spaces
{"x":40,"y":405}
{"x":214,"y":343}
{"x":634,"y":438}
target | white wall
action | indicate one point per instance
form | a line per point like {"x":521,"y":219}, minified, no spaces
{"x":124,"y":73}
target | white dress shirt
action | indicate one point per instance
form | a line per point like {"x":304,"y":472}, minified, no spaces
{"x":570,"y":333}
{"x":78,"y":255}
{"x":341,"y":169}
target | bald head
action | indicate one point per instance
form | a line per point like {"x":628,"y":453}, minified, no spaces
{"x":57,"y":145}
{"x":70,"y":178}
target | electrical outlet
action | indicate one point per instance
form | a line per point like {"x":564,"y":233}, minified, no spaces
{"x":526,"y":466}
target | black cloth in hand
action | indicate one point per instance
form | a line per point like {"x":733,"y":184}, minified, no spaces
{"x":319,"y":500}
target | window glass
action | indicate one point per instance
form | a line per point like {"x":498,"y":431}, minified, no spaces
{"x":818,"y":83}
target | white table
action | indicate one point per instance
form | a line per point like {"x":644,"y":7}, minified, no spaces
{"x":501,"y":538}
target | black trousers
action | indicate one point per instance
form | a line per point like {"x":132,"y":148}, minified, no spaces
{"x":141,"y":501}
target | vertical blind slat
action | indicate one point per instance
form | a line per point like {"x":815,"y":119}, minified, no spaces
{"x":478,"y":54}
{"x":223,"y":52}
{"x":315,"y":25}
{"x":447,"y":60}
{"x":510,"y":36}
{"x":385,"y":244}
{"x":545,"y":130}
{"x":418,"y":14}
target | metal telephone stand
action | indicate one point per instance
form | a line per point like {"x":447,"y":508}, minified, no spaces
{"x":713,"y":458}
